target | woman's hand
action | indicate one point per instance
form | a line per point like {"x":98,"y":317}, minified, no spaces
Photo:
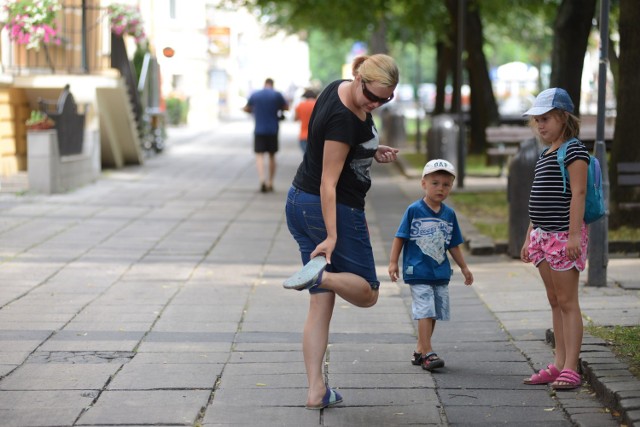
{"x":325,"y":248}
{"x":385,"y":154}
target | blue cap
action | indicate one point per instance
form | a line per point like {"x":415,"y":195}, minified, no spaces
{"x":549,"y":99}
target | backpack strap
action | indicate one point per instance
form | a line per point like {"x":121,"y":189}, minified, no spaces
{"x":562,"y":153}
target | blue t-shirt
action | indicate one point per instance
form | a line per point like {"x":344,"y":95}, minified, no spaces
{"x":427,"y":238}
{"x":265,"y":105}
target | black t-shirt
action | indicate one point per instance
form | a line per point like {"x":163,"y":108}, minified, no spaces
{"x":331,"y":120}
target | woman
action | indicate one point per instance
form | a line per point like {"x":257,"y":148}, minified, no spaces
{"x":325,"y":207}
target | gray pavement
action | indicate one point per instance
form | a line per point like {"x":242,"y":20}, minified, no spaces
{"x":154,"y":297}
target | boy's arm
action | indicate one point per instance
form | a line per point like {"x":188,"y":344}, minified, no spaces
{"x":456,"y":254}
{"x":396,"y":248}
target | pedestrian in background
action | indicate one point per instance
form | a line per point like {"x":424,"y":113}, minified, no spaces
{"x":556,"y":241}
{"x":325,"y":207}
{"x":429,"y":229}
{"x":303,"y":114}
{"x":266,"y":105}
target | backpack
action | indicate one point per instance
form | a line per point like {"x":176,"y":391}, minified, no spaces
{"x":594,"y":200}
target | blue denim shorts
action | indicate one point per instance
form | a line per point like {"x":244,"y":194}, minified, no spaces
{"x":353,"y":252}
{"x":430,"y":301}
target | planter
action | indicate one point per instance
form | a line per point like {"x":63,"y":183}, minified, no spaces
{"x":42,"y":160}
{"x":49,"y":172}
{"x":40,"y":126}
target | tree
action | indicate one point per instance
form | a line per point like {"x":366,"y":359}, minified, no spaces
{"x":625,"y":145}
{"x":484,"y":109}
{"x":571,"y":35}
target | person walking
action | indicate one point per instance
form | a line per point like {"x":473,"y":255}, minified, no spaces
{"x":325,"y":207}
{"x":266,"y":106}
{"x":556,"y":240}
{"x":303,"y":114}
{"x":429,"y":229}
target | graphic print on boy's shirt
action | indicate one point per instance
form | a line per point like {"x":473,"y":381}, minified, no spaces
{"x":432,"y":236}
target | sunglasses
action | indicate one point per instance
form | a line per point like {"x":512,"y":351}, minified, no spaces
{"x":373,"y":97}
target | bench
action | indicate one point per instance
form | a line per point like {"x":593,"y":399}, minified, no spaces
{"x":629,"y":176}
{"x":504,"y":142}
{"x":502,"y":154}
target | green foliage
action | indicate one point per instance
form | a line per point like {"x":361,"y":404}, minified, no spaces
{"x":351,"y":19}
{"x":39,"y":120}
{"x":511,"y":27}
{"x":624,"y":342}
{"x":488,"y":211}
{"x":138,"y":58}
{"x":177,"y":110}
{"x":327,"y":56}
{"x":407,"y":56}
{"x":521,"y":32}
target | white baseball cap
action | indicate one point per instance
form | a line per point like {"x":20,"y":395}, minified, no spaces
{"x":438,"y":165}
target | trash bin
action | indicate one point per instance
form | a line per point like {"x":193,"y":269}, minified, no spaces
{"x":442,"y":138}
{"x":521,"y":172}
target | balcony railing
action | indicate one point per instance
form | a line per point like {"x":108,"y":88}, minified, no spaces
{"x":83,"y":27}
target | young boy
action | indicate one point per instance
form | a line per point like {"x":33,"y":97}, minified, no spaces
{"x":429,"y":229}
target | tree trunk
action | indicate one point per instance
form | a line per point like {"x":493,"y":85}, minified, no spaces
{"x":484,"y":109}
{"x":445,"y":60}
{"x":613,"y":64}
{"x":571,"y":35}
{"x":378,"y":42}
{"x":626,"y":147}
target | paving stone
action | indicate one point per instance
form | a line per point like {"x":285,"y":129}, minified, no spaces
{"x":426,"y":414}
{"x":222,"y":415}
{"x":42,"y":408}
{"x":57,"y":376}
{"x":165,"y":376}
{"x":480,"y":415}
{"x":159,"y":407}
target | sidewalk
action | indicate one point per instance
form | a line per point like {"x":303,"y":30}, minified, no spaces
{"x":154,"y":297}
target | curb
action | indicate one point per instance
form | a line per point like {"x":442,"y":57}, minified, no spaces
{"x":615,"y":386}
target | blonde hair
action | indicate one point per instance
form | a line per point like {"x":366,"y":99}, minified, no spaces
{"x":571,"y":123}
{"x":379,"y":68}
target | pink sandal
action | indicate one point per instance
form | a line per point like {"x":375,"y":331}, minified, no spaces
{"x":544,"y":376}
{"x":570,"y":378}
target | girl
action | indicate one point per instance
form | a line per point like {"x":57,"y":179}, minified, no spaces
{"x":556,"y":240}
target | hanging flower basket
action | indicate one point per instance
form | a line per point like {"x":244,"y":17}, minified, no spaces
{"x":126,"y":20}
{"x":32,"y":22}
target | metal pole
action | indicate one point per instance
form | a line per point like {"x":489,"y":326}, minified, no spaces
{"x":461,"y":127}
{"x":598,"y":231}
{"x":85,"y":63}
{"x":416,"y":92}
